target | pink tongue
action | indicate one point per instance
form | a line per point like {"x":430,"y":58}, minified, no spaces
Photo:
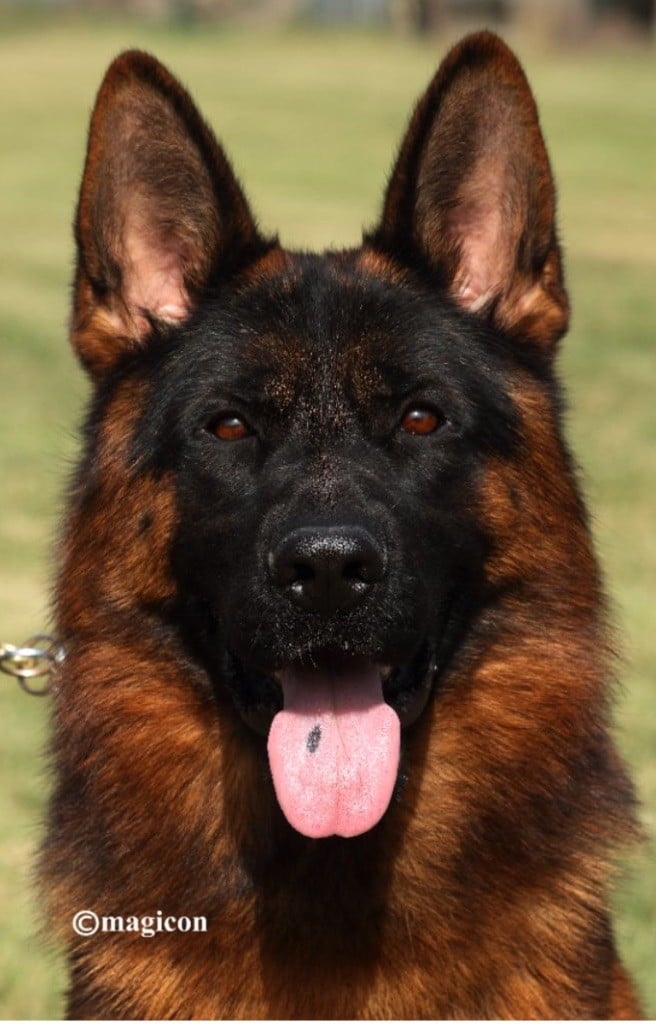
{"x":334,"y":751}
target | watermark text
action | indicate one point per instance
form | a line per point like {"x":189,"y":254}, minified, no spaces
{"x":88,"y":922}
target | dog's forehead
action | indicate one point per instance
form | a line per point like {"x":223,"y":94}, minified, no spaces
{"x":302,"y":365}
{"x":324,"y":325}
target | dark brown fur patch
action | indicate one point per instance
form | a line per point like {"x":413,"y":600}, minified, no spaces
{"x":123,"y":524}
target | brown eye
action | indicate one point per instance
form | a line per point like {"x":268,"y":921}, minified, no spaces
{"x":421,"y":420}
{"x":230,"y":428}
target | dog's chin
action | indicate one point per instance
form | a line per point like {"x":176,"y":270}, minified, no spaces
{"x":406,"y":688}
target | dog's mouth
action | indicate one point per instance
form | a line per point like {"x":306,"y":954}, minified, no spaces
{"x":334,"y":726}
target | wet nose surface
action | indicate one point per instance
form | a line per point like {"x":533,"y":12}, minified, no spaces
{"x":327,"y":569}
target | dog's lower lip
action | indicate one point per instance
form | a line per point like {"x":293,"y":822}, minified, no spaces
{"x":258,"y":695}
{"x":407,"y":689}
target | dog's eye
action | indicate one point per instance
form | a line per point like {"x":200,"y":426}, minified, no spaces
{"x":229,"y":428}
{"x":420,"y":419}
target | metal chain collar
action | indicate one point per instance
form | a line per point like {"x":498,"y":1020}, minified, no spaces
{"x":34,"y":663}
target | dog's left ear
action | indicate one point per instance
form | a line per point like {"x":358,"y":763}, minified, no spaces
{"x":472,"y":199}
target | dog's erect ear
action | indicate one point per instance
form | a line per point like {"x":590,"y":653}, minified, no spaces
{"x":471,"y":197}
{"x":160,"y":217}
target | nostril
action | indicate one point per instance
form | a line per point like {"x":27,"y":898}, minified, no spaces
{"x":293,"y":572}
{"x":358,"y":572}
{"x":302,"y":572}
{"x":367,"y":568}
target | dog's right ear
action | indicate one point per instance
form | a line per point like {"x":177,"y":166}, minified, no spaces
{"x":161,"y":216}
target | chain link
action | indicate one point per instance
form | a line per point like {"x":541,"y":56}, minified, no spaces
{"x":36,"y":659}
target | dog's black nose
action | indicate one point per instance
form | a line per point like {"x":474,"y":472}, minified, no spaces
{"x":327,"y":569}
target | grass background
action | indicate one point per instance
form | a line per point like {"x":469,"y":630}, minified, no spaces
{"x":311,"y":121}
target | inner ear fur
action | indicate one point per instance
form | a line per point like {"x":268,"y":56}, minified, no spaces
{"x":471,"y":198}
{"x":161,"y":215}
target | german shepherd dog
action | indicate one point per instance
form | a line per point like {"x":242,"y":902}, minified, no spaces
{"x":337,"y":673}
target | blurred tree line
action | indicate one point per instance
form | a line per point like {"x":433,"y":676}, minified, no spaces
{"x":558,"y":19}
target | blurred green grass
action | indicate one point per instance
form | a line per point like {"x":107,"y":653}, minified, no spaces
{"x":311,"y":121}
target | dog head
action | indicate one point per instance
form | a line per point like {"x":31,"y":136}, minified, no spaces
{"x":305,"y":443}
